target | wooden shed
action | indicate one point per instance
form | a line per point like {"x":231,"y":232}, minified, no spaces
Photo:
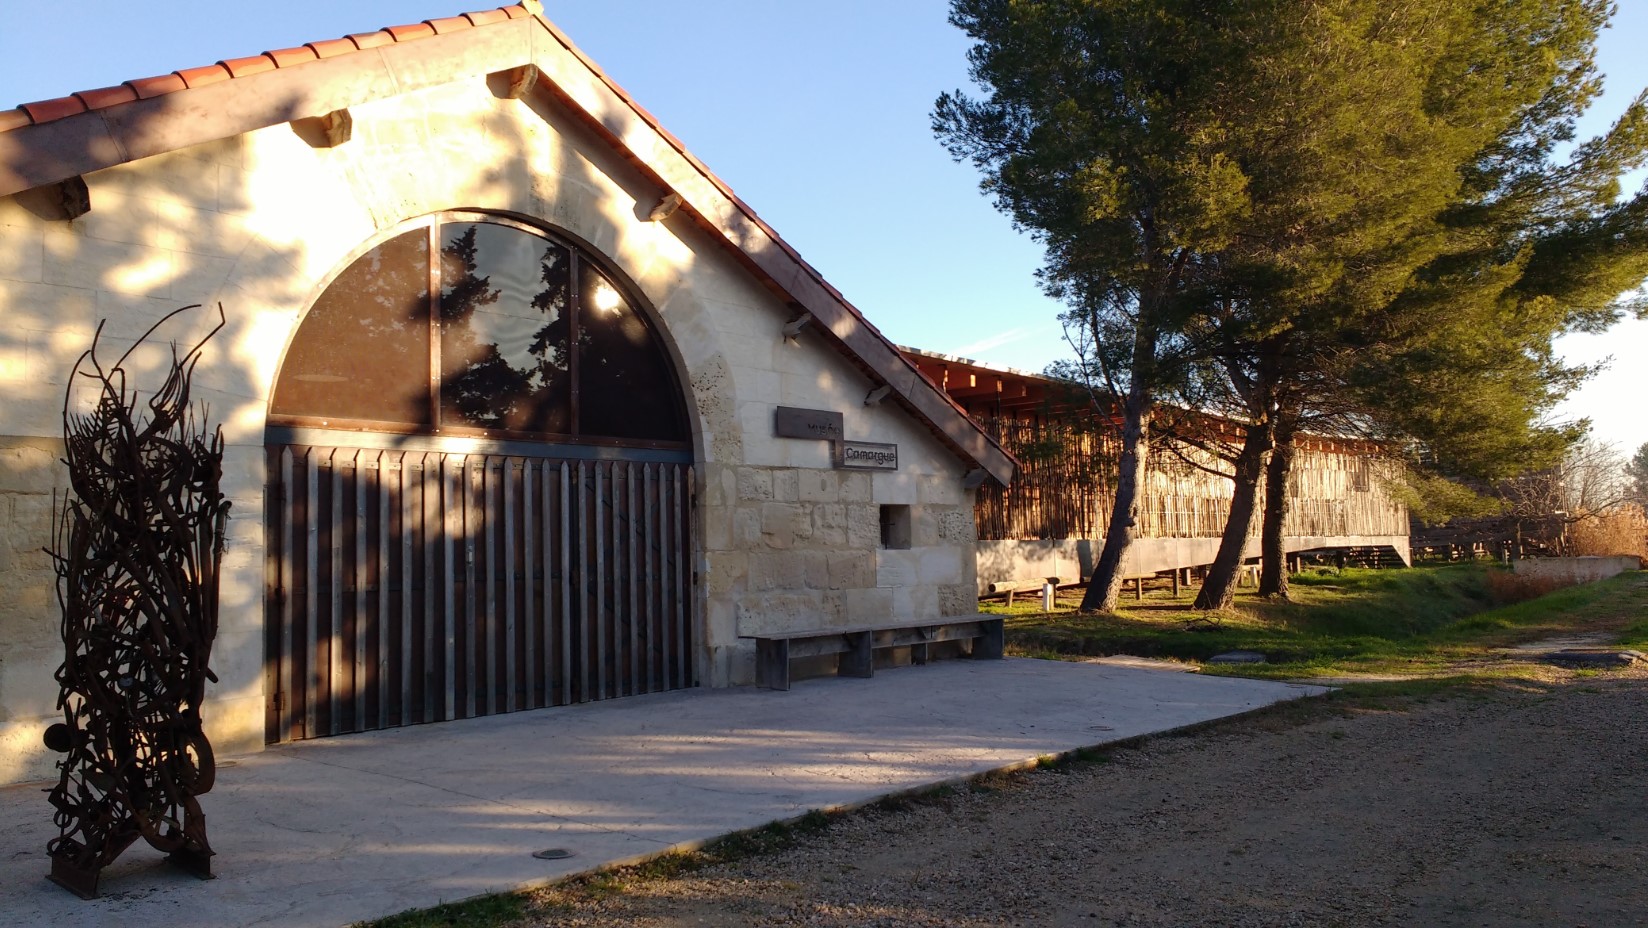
{"x":1051,"y":520}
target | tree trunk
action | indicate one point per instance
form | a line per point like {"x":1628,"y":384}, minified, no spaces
{"x":1105,"y":587}
{"x":1273,"y":572}
{"x":1219,"y":589}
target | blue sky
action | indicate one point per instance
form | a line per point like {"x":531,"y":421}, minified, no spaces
{"x":815,"y":113}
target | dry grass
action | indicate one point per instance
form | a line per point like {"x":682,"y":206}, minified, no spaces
{"x":1622,"y":530}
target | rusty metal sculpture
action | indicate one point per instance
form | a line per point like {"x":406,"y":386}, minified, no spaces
{"x":137,"y":549}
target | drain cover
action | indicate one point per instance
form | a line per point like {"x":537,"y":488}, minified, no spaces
{"x":553,"y":853}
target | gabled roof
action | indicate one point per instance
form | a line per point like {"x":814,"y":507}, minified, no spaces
{"x":51,"y":141}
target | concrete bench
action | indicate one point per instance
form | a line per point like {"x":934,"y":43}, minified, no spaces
{"x":855,"y":647}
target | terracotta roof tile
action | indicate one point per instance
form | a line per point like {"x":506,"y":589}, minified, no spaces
{"x":331,"y":48}
{"x":146,"y":87}
{"x":188,"y":78}
{"x":448,"y":24}
{"x":48,"y":110}
{"x":411,"y":32}
{"x":287,"y":57}
{"x":365,"y":40}
{"x":106,"y":96}
{"x":257,"y":64}
{"x":200,"y":77}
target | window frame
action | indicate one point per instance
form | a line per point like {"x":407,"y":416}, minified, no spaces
{"x":579,"y":252}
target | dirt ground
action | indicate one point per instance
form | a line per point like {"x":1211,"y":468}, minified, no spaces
{"x":1519,"y":806}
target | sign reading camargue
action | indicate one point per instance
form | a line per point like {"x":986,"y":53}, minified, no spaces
{"x":790,"y":422}
{"x":866,"y":455}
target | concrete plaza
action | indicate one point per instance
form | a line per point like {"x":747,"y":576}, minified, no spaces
{"x":325,"y":833}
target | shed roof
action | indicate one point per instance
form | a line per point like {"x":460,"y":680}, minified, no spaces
{"x":49,"y":141}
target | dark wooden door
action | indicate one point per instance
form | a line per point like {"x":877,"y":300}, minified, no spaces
{"x":421,"y":586}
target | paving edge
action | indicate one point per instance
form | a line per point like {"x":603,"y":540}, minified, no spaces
{"x":843,"y":808}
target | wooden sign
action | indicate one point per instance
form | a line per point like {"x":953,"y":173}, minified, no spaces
{"x":866,"y":455}
{"x":790,"y":422}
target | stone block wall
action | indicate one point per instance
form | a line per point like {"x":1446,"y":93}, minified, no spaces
{"x":797,"y":549}
{"x":1571,"y":571}
{"x":30,"y":648}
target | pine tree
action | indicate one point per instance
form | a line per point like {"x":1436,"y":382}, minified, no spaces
{"x":1268,"y":196}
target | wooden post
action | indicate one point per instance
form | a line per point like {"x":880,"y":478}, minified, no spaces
{"x":772,"y":662}
{"x":859,"y":659}
{"x":992,"y":644}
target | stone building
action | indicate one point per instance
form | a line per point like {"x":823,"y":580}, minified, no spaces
{"x":500,"y":382}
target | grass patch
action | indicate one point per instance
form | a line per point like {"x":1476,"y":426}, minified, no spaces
{"x":1417,"y":622}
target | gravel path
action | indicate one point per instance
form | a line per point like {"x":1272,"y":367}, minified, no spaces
{"x":1518,"y":807}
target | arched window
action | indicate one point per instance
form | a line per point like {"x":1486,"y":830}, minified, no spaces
{"x":478,"y":325}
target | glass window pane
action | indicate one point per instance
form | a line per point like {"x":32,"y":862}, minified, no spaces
{"x":362,"y":351}
{"x":625,"y":386}
{"x":504,"y":329}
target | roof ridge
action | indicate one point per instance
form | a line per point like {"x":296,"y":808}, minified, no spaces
{"x":144,"y":88}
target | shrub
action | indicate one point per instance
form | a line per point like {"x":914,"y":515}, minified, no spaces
{"x":1507,"y":587}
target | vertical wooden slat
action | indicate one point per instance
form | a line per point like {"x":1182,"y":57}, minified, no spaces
{"x":452,"y":485}
{"x":290,"y":684}
{"x":655,"y":619}
{"x":683,"y":579}
{"x":666,"y":554}
{"x":426,"y":683}
{"x":509,"y":570}
{"x":312,"y":642}
{"x":382,"y":634}
{"x":362,"y":581}
{"x":617,"y":658}
{"x":546,"y":653}
{"x":531,"y":684}
{"x":581,"y":512}
{"x":484,"y":658}
{"x":637,"y":636}
{"x":471,"y":634}
{"x":411,"y":602}
{"x":599,"y":516}
{"x":336,"y":683}
{"x":273,"y":586}
{"x":566,"y":637}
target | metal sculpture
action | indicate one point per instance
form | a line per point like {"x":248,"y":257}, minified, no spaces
{"x":137,"y":548}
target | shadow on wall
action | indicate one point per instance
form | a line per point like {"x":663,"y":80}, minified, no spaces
{"x":1070,"y":559}
{"x":142,"y":243}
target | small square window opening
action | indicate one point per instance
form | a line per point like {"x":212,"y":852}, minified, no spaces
{"x":895,"y":527}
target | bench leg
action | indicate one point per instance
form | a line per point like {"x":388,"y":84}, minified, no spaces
{"x":918,"y":653}
{"x":772,"y":663}
{"x":992,"y":644}
{"x":859,"y":659}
